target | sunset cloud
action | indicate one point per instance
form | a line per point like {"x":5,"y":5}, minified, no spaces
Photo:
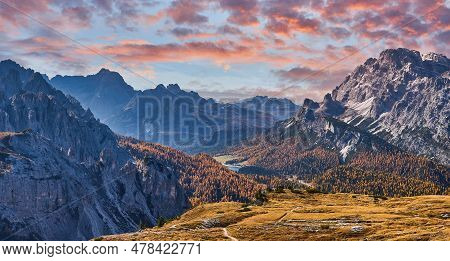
{"x":187,"y":12}
{"x":242,"y":12}
{"x":282,"y":42}
{"x":300,"y":73}
{"x":218,"y":52}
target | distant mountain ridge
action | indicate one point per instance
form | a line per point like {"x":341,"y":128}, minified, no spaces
{"x":103,"y":93}
{"x":205,"y":124}
{"x":280,"y":108}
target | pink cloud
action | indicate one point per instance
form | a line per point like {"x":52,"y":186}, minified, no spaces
{"x":242,"y":12}
{"x":290,"y":17}
{"x":187,"y":12}
{"x":279,"y":33}
{"x":299,"y":73}
{"x":226,"y":29}
{"x":189,"y":33}
{"x":219,"y":51}
{"x":79,"y":14}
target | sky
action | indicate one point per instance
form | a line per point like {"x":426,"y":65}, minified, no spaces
{"x":224,"y":49}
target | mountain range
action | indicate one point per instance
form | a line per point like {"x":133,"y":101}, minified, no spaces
{"x":66,"y":176}
{"x":68,"y":171}
{"x":391,"y":113}
{"x":172,"y":116}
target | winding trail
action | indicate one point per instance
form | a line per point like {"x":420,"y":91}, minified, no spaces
{"x":225,"y":233}
{"x":285,"y":214}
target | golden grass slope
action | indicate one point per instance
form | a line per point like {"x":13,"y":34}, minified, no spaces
{"x":310,"y":216}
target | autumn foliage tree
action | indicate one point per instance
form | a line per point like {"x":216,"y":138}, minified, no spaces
{"x":203,"y":178}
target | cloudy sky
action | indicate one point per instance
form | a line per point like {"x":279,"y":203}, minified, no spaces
{"x":220,"y":48}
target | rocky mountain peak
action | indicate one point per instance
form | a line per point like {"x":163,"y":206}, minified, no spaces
{"x":403,"y":97}
{"x":104,"y":71}
{"x":103,"y":92}
{"x":399,"y":57}
{"x":310,"y":104}
{"x":173,"y":87}
{"x":435,"y":57}
{"x":111,"y":76}
{"x":330,"y":106}
{"x":9,"y":63}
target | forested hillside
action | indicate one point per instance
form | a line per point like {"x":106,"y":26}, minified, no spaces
{"x":203,"y":178}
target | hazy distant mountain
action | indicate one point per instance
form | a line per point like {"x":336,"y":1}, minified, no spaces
{"x":170,"y":115}
{"x":103,"y":93}
{"x":279,"y":108}
{"x":402,"y":96}
{"x":184,"y":120}
{"x":63,"y":174}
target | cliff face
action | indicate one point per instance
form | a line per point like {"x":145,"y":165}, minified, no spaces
{"x":63,"y":174}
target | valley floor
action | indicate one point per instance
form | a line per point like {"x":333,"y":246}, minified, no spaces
{"x":309,"y":216}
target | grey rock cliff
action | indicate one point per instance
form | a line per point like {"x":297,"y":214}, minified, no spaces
{"x":64,"y":175}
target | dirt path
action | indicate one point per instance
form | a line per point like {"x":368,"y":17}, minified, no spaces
{"x":285,"y":214}
{"x":225,"y":233}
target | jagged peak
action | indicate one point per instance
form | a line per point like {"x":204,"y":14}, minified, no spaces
{"x":104,"y":70}
{"x":8,"y":65}
{"x":407,"y":55}
{"x":310,"y":103}
{"x":160,"y":87}
{"x":10,"y":62}
{"x":108,"y":73}
{"x":330,"y":106}
{"x":37,"y":83}
{"x":173,"y":87}
{"x":370,"y":61}
{"x":399,"y":52}
{"x":435,"y":57}
{"x":400,"y":56}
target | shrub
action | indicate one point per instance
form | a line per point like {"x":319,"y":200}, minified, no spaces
{"x":246,"y":209}
{"x":261,"y":197}
{"x":160,"y":221}
{"x":279,"y":190}
{"x":324,"y":226}
{"x":143,"y":225}
{"x":295,"y":191}
{"x":312,"y":190}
